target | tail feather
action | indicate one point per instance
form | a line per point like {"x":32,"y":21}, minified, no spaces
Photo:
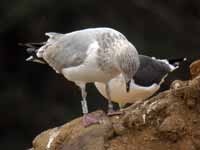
{"x":181,"y":73}
{"x":177,"y":61}
{"x":179,"y":65}
{"x":32,"y":49}
{"x":33,"y":45}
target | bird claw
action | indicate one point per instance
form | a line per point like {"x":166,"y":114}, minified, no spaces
{"x":90,"y":120}
{"x":113,"y":113}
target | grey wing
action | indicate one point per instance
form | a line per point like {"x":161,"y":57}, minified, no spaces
{"x":150,"y":71}
{"x":68,"y":51}
{"x":53,"y":36}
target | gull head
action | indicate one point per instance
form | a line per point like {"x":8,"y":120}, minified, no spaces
{"x":128,"y":63}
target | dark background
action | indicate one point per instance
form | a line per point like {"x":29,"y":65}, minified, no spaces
{"x":34,"y":98}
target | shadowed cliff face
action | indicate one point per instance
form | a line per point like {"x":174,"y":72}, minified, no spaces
{"x":33,"y":97}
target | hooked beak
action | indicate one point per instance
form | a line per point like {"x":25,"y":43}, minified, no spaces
{"x":128,"y":86}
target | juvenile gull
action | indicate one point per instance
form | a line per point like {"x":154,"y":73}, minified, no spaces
{"x":90,"y":55}
{"x":144,"y":83}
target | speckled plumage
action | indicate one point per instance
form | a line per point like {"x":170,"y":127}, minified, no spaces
{"x":90,"y":55}
{"x":73,"y":50}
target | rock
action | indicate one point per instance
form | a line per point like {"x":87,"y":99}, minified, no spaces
{"x":195,"y":69}
{"x":74,"y":136}
{"x":172,"y":127}
{"x":196,"y":138}
{"x":186,"y":144}
{"x":162,"y":122}
{"x":118,"y":126}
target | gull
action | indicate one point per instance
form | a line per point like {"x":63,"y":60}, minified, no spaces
{"x":88,"y":56}
{"x":147,"y":81}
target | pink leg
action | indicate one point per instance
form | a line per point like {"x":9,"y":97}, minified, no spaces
{"x":90,"y":120}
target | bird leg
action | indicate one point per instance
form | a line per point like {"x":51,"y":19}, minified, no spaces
{"x":121,"y":106}
{"x":111,"y":111}
{"x":84,"y":101}
{"x":110,"y":105}
{"x":87,"y":118}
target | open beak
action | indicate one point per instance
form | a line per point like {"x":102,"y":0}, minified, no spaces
{"x":128,"y":86}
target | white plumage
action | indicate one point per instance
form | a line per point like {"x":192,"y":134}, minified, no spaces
{"x":119,"y":94}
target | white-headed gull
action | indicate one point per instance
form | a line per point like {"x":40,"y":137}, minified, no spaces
{"x":144,"y":83}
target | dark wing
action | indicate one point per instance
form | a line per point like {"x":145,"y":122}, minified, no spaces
{"x":150,"y":71}
{"x":31,"y":49}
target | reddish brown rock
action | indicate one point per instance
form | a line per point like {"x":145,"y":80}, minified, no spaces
{"x":74,"y":136}
{"x":172,"y":127}
{"x":195,"y":69}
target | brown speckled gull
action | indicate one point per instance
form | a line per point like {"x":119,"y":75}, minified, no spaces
{"x":91,"y":55}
